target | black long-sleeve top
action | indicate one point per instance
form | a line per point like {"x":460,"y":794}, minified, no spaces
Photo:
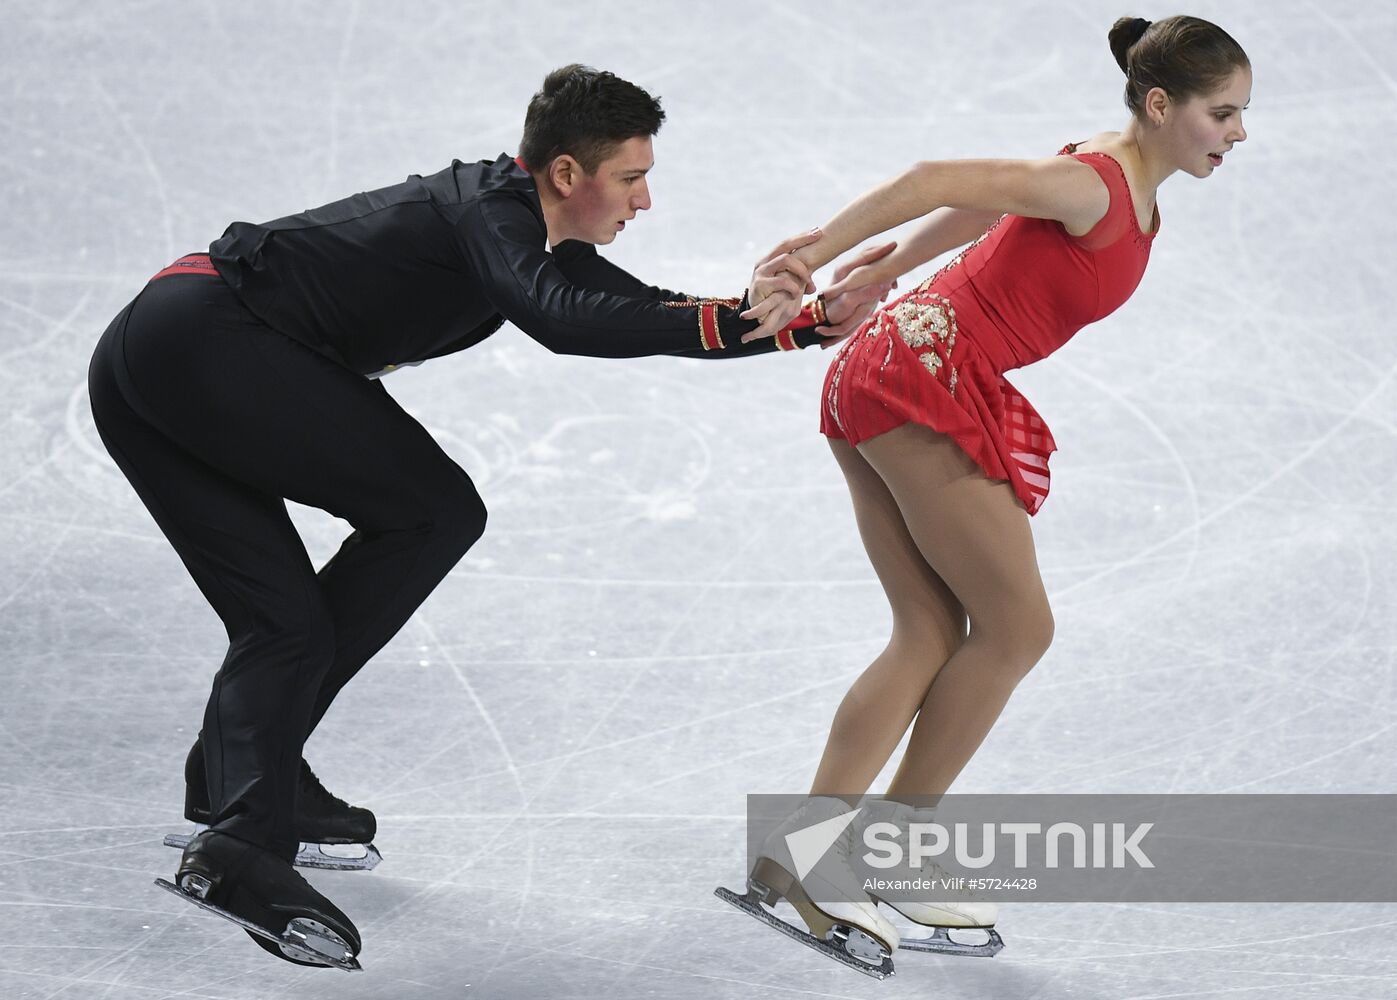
{"x":434,"y":265}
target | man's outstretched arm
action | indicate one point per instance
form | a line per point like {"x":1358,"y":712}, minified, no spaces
{"x":581,"y":264}
{"x":502,"y":240}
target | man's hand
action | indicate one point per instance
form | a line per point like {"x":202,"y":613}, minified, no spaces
{"x":779,"y":282}
{"x":859,"y":286}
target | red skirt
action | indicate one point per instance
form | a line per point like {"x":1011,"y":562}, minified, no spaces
{"x":909,"y":364}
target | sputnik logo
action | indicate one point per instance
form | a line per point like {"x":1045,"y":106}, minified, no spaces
{"x":808,"y":845}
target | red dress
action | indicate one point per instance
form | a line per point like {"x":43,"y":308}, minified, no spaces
{"x":937,"y":355}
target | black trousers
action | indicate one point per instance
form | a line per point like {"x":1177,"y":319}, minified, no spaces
{"x":215,"y":418}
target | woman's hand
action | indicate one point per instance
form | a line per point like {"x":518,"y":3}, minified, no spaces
{"x":849,"y":304}
{"x":779,"y":282}
{"x":867,"y":268}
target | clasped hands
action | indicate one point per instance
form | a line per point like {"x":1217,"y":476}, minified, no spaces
{"x":782,"y":279}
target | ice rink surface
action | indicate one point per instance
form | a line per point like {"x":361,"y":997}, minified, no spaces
{"x":671,"y":597}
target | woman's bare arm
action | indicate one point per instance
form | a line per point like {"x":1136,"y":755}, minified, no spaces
{"x":942,"y":230}
{"x":1056,"y":187}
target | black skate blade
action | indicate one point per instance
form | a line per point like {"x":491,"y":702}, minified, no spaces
{"x":328,"y":857}
{"x":294,"y":943}
{"x":751,"y":905}
{"x":941,"y":943}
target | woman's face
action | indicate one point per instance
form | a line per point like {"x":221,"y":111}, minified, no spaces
{"x":1202,"y":129}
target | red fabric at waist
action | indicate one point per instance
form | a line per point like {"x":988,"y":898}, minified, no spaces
{"x":190,"y":263}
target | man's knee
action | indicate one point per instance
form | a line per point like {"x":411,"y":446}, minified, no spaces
{"x":296,"y":625}
{"x":459,"y":515}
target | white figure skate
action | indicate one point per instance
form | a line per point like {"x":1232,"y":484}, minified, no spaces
{"x":971,"y":920}
{"x":844,"y":924}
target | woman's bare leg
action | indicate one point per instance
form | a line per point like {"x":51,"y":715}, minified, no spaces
{"x":928,"y":626}
{"x":974,"y":534}
{"x":943,"y":540}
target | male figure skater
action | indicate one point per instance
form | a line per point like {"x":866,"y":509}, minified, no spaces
{"x":236,"y":380}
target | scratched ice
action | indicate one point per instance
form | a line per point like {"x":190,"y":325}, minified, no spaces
{"x":671,"y":597}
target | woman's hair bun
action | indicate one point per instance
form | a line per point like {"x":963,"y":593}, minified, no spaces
{"x":1125,"y":33}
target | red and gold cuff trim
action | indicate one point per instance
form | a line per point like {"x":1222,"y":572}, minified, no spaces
{"x":709,"y":334}
{"x":810,"y":316}
{"x":731,"y":303}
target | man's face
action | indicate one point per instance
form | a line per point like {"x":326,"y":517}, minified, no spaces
{"x":601,"y":203}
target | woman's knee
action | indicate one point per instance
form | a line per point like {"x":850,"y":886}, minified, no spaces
{"x":923,"y":643}
{"x":1038,"y":630}
{"x":1032,"y":633}
{"x":1020,"y":637}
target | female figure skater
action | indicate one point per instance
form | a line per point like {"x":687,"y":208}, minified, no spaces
{"x":946,"y":461}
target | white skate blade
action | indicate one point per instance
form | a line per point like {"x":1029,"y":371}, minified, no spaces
{"x":339,"y":857}
{"x":331,"y":857}
{"x":306,"y":940}
{"x":751,"y":905}
{"x":941,"y":943}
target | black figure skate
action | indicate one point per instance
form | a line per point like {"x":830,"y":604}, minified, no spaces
{"x":266,"y":897}
{"x":333,"y":834}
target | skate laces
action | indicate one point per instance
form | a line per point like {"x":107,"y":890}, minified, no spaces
{"x":310,"y":783}
{"x":845,"y":843}
{"x":927,"y":868}
{"x":956,"y":892}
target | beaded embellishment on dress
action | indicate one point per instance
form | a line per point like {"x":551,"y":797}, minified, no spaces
{"x":924,"y":320}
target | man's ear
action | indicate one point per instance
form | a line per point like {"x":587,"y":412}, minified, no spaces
{"x":563,"y":174}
